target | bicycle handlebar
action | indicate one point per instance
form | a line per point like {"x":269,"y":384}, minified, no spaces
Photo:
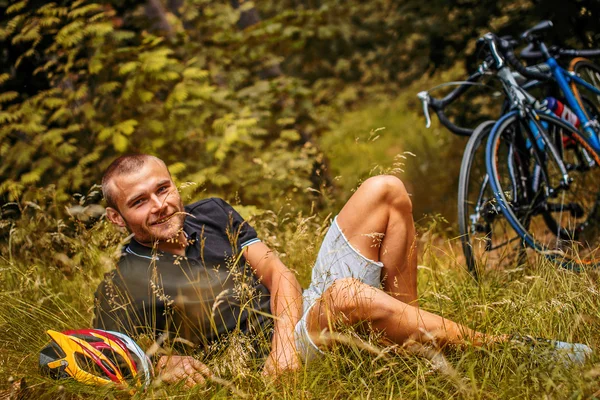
{"x":531,"y":33}
{"x":496,"y":58}
{"x":535,"y":73}
{"x":460,"y":131}
{"x":501,"y":49}
{"x":438,"y":105}
{"x":580,"y":53}
{"x":529,"y":53}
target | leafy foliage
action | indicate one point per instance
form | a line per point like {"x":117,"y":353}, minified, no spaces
{"x":85,"y":81}
{"x":112,"y":90}
{"x":352,"y":48}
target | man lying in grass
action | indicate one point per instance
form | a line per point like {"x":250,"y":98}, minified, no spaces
{"x":184,"y":272}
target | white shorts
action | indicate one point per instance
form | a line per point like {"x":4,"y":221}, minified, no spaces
{"x":337,"y":259}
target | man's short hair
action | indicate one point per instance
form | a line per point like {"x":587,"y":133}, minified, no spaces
{"x":122,"y":166}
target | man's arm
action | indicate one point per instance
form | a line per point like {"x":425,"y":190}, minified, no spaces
{"x":286,"y":305}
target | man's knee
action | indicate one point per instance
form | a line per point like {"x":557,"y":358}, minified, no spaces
{"x":389,"y":190}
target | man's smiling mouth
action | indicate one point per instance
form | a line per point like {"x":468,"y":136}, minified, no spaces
{"x":163,"y":220}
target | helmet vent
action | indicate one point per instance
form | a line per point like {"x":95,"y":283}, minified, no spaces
{"x":119,"y":361}
{"x":89,"y":366}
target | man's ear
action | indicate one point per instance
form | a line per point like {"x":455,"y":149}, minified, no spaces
{"x":115,"y":217}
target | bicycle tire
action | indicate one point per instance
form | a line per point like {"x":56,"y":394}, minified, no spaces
{"x":574,"y":240}
{"x":589,"y":72}
{"x":486,"y":236}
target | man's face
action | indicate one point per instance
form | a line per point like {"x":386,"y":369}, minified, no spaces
{"x":149,"y":204}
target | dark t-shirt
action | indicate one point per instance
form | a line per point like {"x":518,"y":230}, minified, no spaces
{"x":209,"y":292}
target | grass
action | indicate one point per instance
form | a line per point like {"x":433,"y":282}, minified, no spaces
{"x":537,"y":299}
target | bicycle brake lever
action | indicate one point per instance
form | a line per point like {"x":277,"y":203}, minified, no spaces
{"x":424,"y":97}
{"x":489,"y":39}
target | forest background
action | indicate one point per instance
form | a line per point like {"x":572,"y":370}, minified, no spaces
{"x":278,"y":107}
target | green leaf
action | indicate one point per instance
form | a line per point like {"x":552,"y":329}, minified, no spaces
{"x":4,"y":77}
{"x":127,"y":127}
{"x":195,"y":73}
{"x":16,"y":7}
{"x":157,"y":143}
{"x":30,"y":177}
{"x":8,"y":117}
{"x":177,"y":168}
{"x":95,"y":66}
{"x":168,"y":76}
{"x":108,"y":87}
{"x":145,"y":95}
{"x":290,"y":135}
{"x":98,"y":29}
{"x":54,"y":102}
{"x":59,"y":115}
{"x":128,"y":67}
{"x":120,"y":142}
{"x":71,"y":34}
{"x":105,"y":133}
{"x":155,"y":126}
{"x":66,"y":150}
{"x":8,"y":96}
{"x":286,"y":121}
{"x":27,"y":35}
{"x":48,"y":22}
{"x":220,"y":180}
{"x":82,"y":11}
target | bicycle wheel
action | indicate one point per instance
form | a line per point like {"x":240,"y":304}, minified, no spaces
{"x":487,"y":237}
{"x":588,"y":100}
{"x":560,"y":222}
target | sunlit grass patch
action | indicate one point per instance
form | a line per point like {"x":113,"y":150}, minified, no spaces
{"x":388,"y":135}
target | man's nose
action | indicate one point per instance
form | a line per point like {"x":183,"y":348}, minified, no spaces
{"x":158,"y":203}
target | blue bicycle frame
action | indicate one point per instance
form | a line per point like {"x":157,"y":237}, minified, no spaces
{"x":563,"y":78}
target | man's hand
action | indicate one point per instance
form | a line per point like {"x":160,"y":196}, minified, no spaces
{"x":175,"y":369}
{"x":281,"y":359}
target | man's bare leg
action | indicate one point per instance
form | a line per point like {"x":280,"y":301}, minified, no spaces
{"x":378,"y":222}
{"x":351,"y":301}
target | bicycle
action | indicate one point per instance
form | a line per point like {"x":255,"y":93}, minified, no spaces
{"x":484,"y":233}
{"x":535,"y":160}
{"x":478,"y":213}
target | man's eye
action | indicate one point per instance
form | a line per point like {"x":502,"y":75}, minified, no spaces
{"x":137,"y":202}
{"x":162,"y":189}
